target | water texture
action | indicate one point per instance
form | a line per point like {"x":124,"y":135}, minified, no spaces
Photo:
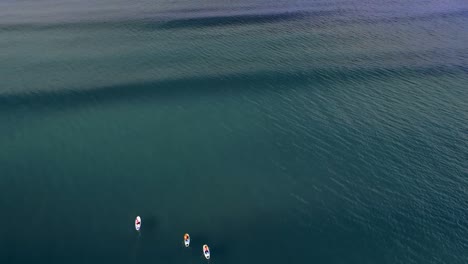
{"x":274,"y":131}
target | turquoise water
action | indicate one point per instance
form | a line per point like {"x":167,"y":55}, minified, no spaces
{"x":274,"y":131}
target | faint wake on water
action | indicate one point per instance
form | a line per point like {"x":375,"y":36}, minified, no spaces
{"x":237,"y":83}
{"x":312,"y":42}
{"x":177,"y":19}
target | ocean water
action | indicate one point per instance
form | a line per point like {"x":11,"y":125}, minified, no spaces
{"x":274,"y":131}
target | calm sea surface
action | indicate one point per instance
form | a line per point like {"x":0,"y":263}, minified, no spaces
{"x":312,"y":131}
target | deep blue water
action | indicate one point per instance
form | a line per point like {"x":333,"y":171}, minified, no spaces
{"x":274,"y":131}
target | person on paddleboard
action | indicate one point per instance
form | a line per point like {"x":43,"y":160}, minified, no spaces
{"x":187,"y":240}
{"x":138,"y":223}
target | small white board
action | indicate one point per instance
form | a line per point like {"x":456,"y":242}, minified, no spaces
{"x":206,"y":251}
{"x":137,"y":223}
{"x":187,"y":240}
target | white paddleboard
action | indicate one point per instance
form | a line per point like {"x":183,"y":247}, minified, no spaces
{"x":206,"y":251}
{"x":137,"y":223}
{"x":187,"y":240}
